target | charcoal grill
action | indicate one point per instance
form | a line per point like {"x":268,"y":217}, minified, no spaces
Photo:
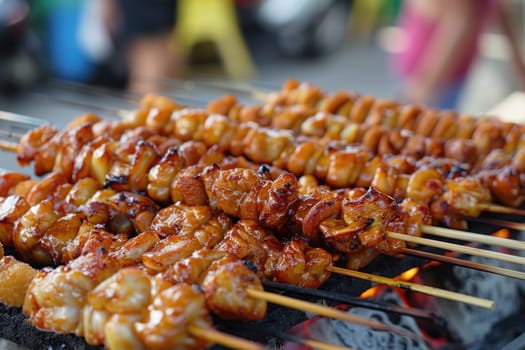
{"x":507,"y":328}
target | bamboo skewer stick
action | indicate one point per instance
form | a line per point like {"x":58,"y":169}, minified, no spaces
{"x":298,"y":339}
{"x":9,"y":146}
{"x":499,"y":222}
{"x":354,"y":301}
{"x":315,"y":344}
{"x":250,"y":91}
{"x":458,"y":248}
{"x":469,"y":236}
{"x":21,"y":119}
{"x":96,"y":90}
{"x":87,"y":89}
{"x":500,"y":209}
{"x":328,"y":312}
{"x":232,"y":87}
{"x":120,"y":113}
{"x":465,"y":263}
{"x":485,"y":303}
{"x":224,"y":339}
{"x":10,"y":134}
{"x":473,"y":237}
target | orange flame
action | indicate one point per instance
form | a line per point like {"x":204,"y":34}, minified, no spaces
{"x":370,"y":292}
{"x":404,"y":276}
{"x":502,"y":233}
{"x":408,"y":274}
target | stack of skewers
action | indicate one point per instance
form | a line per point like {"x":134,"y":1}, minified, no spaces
{"x":143,"y":227}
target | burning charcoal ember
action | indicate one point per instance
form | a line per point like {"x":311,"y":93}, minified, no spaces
{"x":465,"y":325}
{"x":481,"y":328}
{"x":507,"y":294}
{"x":358,"y":337}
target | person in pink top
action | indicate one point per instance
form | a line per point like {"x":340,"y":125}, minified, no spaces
{"x":439,"y":46}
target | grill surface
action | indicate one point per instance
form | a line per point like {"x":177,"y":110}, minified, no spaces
{"x":13,"y":325}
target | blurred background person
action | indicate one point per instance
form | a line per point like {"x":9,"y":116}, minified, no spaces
{"x":20,"y":61}
{"x":137,"y":44}
{"x":143,"y":30}
{"x":440,"y":45}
